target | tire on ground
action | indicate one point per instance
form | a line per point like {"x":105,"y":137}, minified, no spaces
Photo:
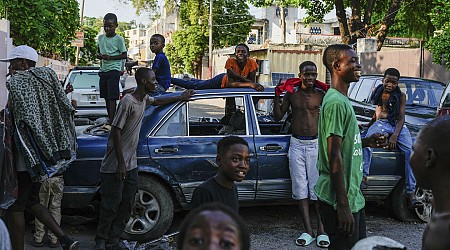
{"x":152,"y":211}
{"x":398,"y":204}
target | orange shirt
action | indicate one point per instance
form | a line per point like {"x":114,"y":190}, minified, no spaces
{"x":232,"y":64}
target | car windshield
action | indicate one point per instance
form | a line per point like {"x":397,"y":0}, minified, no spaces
{"x":84,"y":80}
{"x":421,"y":93}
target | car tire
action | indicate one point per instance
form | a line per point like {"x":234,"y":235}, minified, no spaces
{"x":399,"y":207}
{"x":152,"y":211}
{"x":424,"y":196}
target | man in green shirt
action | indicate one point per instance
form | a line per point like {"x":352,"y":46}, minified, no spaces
{"x":341,"y":203}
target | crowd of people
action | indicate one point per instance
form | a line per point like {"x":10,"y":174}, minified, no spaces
{"x":328,"y":159}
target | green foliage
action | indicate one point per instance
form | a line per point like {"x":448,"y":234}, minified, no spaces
{"x":439,"y":45}
{"x":47,"y":26}
{"x":231,"y":25}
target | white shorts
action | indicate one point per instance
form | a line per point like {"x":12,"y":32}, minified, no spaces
{"x":302,"y":165}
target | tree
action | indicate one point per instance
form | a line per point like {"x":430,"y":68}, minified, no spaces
{"x":439,"y":45}
{"x":47,"y":26}
{"x":231,"y":25}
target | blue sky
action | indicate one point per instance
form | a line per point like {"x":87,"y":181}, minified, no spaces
{"x":124,"y":12}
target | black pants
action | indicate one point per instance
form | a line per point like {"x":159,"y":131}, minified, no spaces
{"x":339,"y":240}
{"x":117,"y":199}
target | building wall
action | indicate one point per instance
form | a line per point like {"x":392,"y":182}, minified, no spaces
{"x":274,"y":29}
{"x":407,"y":61}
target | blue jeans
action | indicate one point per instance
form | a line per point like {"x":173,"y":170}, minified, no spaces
{"x":213,"y":83}
{"x":404,"y":143}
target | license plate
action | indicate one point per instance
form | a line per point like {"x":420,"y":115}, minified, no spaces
{"x":92,"y":97}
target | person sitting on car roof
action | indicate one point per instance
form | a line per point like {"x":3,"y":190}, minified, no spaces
{"x":241,"y":73}
{"x":389,"y":118}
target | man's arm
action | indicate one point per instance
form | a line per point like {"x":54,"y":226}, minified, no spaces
{"x":400,"y":123}
{"x":166,"y":100}
{"x":256,"y":86}
{"x":235,"y":76}
{"x":346,"y":222}
{"x":108,"y":57}
{"x":118,"y":148}
{"x":280,"y":109}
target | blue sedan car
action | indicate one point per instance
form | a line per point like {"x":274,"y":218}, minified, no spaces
{"x":177,"y":150}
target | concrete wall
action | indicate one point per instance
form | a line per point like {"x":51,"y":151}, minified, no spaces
{"x":407,"y":61}
{"x":5,"y":47}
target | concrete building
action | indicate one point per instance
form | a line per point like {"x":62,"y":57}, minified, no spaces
{"x":136,"y":48}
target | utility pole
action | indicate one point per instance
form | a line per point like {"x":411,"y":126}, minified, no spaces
{"x":210,"y":37}
{"x":81,"y":25}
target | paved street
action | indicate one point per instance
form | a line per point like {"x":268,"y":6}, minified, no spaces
{"x":277,"y":227}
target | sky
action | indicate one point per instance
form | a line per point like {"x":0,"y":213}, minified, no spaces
{"x":124,"y":12}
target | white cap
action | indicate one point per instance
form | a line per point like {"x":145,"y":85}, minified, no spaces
{"x":22,"y":52}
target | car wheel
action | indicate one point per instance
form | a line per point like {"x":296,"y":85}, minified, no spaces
{"x":425,"y":197}
{"x":399,"y":206}
{"x":152,"y":211}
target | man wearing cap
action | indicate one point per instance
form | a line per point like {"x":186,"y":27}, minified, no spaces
{"x":42,"y":144}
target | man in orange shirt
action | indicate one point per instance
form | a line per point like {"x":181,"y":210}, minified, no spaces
{"x":241,"y":73}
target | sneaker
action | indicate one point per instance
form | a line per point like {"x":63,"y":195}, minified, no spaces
{"x":35,"y":243}
{"x":53,"y":245}
{"x":74,"y":245}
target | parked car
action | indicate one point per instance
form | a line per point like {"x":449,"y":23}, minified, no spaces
{"x":86,"y":92}
{"x":444,"y":104}
{"x":422,"y":99}
{"x":177,"y":150}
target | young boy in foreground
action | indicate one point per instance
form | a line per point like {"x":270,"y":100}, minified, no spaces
{"x":233,"y":159}
{"x":430,"y":163}
{"x":119,"y":172}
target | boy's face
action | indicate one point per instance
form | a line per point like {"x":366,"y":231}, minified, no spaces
{"x":418,"y":162}
{"x":241,"y":54}
{"x":156,"y":45}
{"x":150,"y":82}
{"x":109,"y":25}
{"x":308,"y":75}
{"x":348,"y":66}
{"x":390,"y":83}
{"x":212,"y":230}
{"x":234,"y":163}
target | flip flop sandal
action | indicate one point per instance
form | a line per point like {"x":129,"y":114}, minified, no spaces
{"x":305,"y":237}
{"x":323,"y":238}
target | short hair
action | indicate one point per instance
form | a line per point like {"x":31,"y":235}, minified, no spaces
{"x":435,"y":131}
{"x":333,"y":54}
{"x":244,"y":235}
{"x":227,"y":142}
{"x":392,"y":72}
{"x":110,"y":16}
{"x":141,"y":73}
{"x":161,"y":37}
{"x":305,"y":64}
{"x":243,"y":45}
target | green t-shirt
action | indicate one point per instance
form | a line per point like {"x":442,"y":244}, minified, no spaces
{"x":112,"y":46}
{"x":338,"y":118}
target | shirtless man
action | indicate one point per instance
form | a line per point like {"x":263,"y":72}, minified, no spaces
{"x":305,"y":103}
{"x":389,"y":118}
{"x":430,"y":162}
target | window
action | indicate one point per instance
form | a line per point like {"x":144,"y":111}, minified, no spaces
{"x":315,"y":30}
{"x":175,"y":125}
{"x":266,"y":122}
{"x":84,"y":80}
{"x":207,"y":117}
{"x":365,"y":88}
{"x":214,"y":116}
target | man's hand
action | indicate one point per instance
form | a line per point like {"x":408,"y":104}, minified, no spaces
{"x":393,"y":141}
{"x":345,"y":220}
{"x":99,"y":56}
{"x":186,"y":95}
{"x":257,"y":87}
{"x":377,"y":140}
{"x":69,"y":88}
{"x":121,"y":172}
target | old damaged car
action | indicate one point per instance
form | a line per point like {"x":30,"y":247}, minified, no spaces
{"x":177,"y":150}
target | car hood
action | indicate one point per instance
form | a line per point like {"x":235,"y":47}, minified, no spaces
{"x":417,"y":117}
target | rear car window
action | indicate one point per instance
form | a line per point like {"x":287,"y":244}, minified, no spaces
{"x":422,"y":92}
{"x":84,"y":80}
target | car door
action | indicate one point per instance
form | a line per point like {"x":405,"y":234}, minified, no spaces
{"x":271,"y":145}
{"x":185,"y":142}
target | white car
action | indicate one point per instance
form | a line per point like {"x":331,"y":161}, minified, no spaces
{"x":86,"y":92}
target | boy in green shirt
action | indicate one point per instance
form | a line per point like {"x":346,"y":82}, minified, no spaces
{"x":341,"y":203}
